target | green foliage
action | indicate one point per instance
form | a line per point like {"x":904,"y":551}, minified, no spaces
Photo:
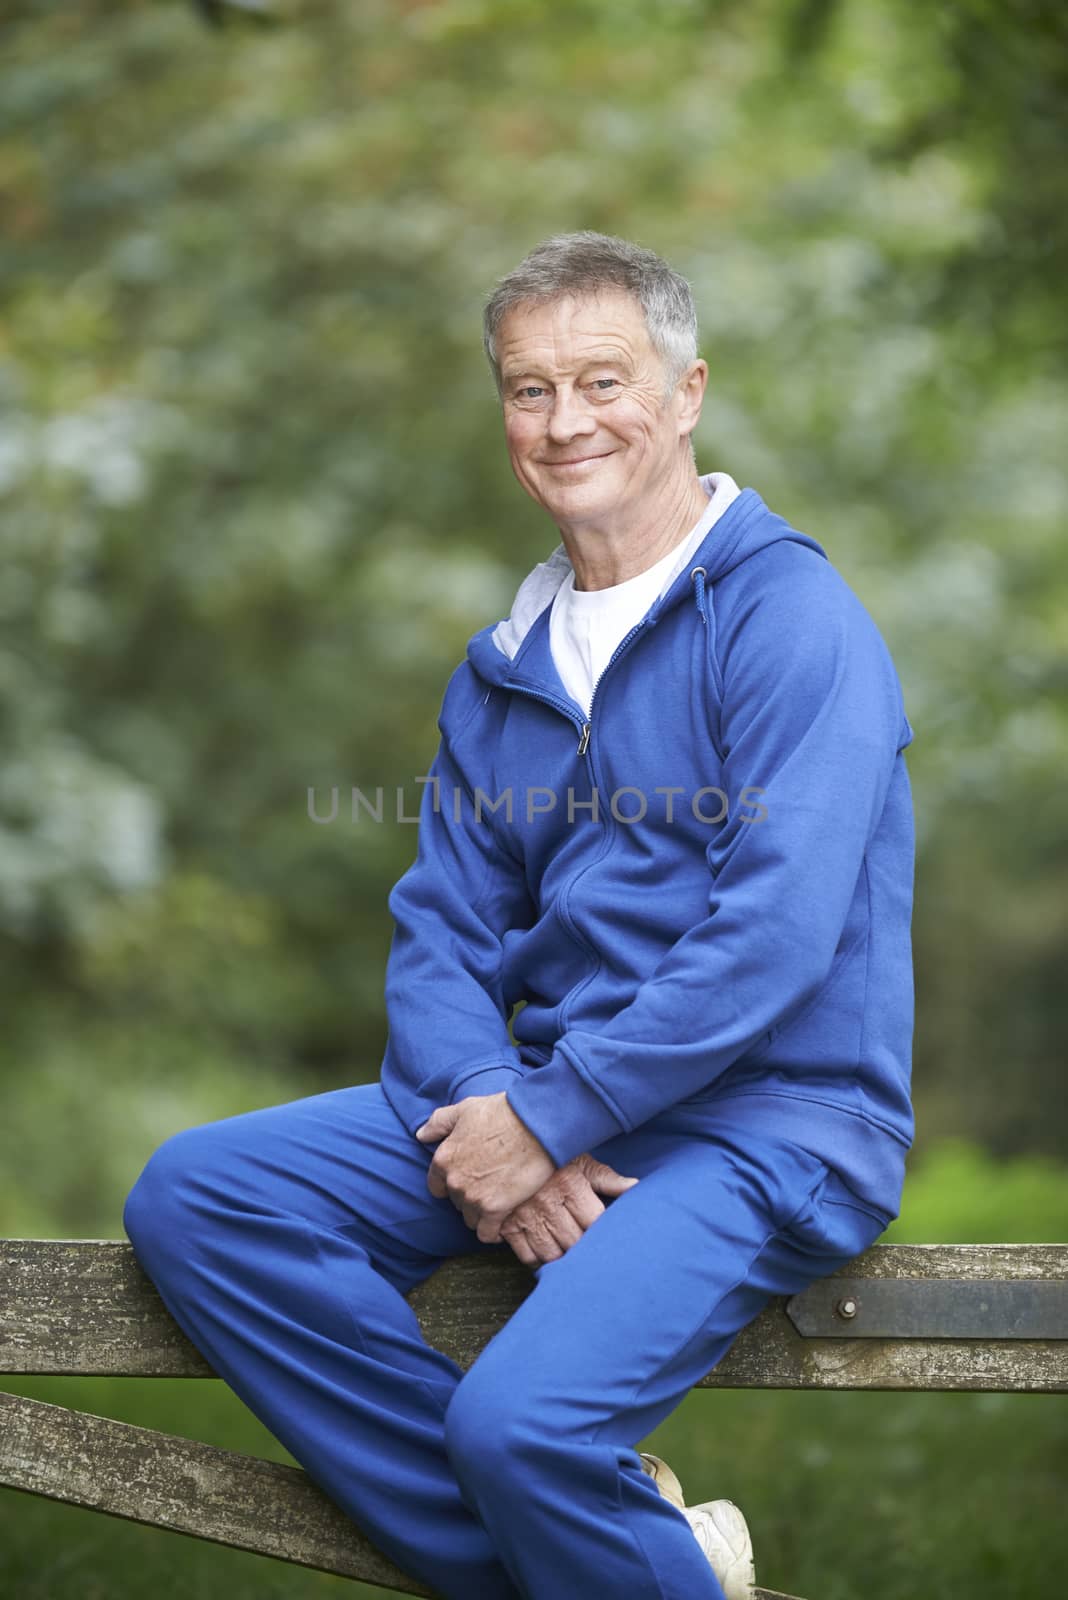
{"x":78,"y":1129}
{"x":959,"y":1194}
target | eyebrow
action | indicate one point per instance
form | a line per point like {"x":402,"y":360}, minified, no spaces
{"x":607,"y":354}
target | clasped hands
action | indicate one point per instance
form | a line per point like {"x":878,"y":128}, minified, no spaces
{"x":506,"y":1184}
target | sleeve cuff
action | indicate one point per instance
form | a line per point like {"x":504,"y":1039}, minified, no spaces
{"x":564,"y":1114}
{"x":484,"y":1080}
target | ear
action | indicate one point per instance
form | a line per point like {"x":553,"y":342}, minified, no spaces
{"x":689,"y":396}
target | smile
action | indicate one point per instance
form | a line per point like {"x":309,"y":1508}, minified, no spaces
{"x":582,"y":461}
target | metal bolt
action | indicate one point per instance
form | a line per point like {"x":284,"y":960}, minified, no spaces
{"x":847,"y":1308}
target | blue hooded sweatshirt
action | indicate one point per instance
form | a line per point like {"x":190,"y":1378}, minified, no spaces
{"x":701,"y":893}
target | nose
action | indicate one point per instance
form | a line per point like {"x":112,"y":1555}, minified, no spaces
{"x":570,"y":416}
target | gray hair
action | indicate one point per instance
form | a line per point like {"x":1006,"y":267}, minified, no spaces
{"x":586,"y":262}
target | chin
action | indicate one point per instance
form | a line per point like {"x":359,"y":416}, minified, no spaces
{"x":567,"y":505}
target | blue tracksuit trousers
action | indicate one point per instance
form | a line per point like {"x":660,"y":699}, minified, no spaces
{"x":284,"y":1240}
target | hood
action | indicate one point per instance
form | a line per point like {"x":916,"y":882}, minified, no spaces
{"x":744,"y":528}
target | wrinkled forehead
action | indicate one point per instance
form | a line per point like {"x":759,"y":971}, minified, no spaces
{"x":572,"y":326}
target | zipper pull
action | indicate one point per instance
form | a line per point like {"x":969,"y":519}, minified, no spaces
{"x":584,"y":741}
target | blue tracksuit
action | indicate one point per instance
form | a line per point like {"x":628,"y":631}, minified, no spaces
{"x":702,"y":892}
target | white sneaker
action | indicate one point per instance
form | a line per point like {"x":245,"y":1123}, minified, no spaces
{"x":721,"y":1531}
{"x":719,"y":1528}
{"x":664,"y":1478}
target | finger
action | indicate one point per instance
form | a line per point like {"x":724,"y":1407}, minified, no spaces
{"x":438,"y":1125}
{"x":541,"y":1230}
{"x":577,"y":1197}
{"x":566,"y":1230}
{"x":545,"y":1247}
{"x":549,"y":1220}
{"x":489,"y":1227}
{"x":523,"y":1251}
{"x":585,"y":1208}
{"x":562,"y":1215}
{"x":606,"y":1180}
{"x":435,"y":1181}
{"x":517,"y":1239}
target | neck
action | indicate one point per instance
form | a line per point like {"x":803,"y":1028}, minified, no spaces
{"x":606,"y":555}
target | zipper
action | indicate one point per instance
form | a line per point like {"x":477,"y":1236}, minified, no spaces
{"x":547,"y":699}
{"x":584,"y":742}
{"x":583,"y":747}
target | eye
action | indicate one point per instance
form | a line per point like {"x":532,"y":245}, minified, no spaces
{"x":600,"y":382}
{"x":528,"y":389}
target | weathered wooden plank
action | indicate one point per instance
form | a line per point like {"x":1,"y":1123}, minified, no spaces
{"x":161,"y":1480}
{"x":85,"y":1306}
{"x":188,"y":1487}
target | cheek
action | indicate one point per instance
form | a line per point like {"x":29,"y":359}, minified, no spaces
{"x":638,"y":437}
{"x":519,"y":436}
{"x":639,"y":420}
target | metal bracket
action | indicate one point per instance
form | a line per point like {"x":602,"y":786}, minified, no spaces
{"x":917,"y":1308}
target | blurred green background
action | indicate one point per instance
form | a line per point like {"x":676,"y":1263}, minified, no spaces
{"x":254,"y":499}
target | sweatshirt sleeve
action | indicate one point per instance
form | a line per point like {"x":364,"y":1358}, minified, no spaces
{"x":446,"y":1012}
{"x":811,"y":713}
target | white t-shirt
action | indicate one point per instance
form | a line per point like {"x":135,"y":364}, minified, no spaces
{"x":586,"y":625}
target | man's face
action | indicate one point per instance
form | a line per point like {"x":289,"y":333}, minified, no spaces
{"x":588,"y":433}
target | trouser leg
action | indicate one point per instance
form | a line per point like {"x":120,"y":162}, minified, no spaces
{"x":283,"y":1241}
{"x":619,"y":1328}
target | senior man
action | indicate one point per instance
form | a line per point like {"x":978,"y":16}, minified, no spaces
{"x":670,"y":814}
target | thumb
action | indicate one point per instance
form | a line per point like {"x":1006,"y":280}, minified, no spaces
{"x":606,"y":1180}
{"x":438,"y":1125}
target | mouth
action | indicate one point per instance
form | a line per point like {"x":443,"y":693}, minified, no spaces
{"x":578,"y":461}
